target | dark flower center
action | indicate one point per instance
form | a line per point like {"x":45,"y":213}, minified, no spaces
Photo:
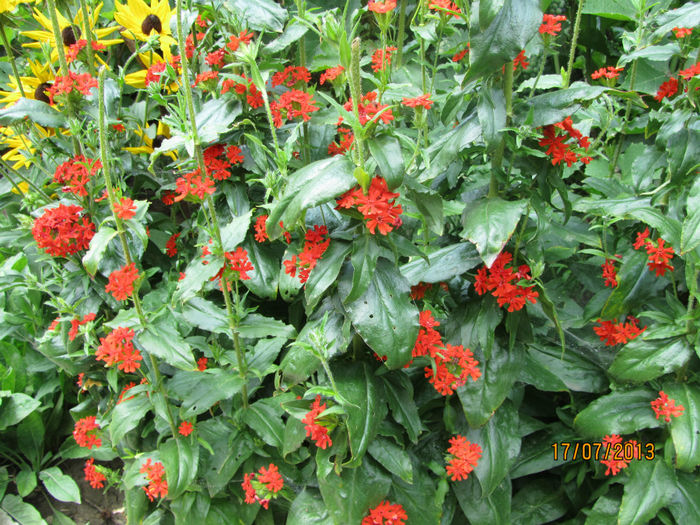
{"x":39,"y":92}
{"x":150,"y":23}
{"x":158,"y":141}
{"x":70,"y":35}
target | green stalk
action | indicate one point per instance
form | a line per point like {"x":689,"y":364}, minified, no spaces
{"x":354,"y":80}
{"x":628,"y":108}
{"x":88,"y":37}
{"x":539,"y":74}
{"x":497,"y":159}
{"x":106,"y":170}
{"x":572,"y":50}
{"x":25,"y":179}
{"x":402,"y":33}
{"x":441,"y":29}
{"x":11,"y":56}
{"x":302,"y":62}
{"x":57,"y":37}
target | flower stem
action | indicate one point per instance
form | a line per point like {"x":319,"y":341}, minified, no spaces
{"x":11,"y":56}
{"x":572,"y":50}
{"x":497,"y":158}
{"x":25,"y":179}
{"x":354,"y":80}
{"x":88,"y":37}
{"x":57,"y":37}
{"x":402,"y":33}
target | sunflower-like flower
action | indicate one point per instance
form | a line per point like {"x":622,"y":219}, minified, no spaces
{"x":141,"y":20}
{"x":34,"y":87}
{"x":8,"y":5}
{"x":150,"y":144}
{"x":155,"y":66}
{"x":71,"y":32}
{"x":19,"y":147}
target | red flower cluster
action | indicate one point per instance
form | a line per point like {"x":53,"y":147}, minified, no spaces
{"x":248,"y":88}
{"x":381,"y":7}
{"x":262,"y":486}
{"x":499,"y":281}
{"x":190,"y":45}
{"x":76,"y":173}
{"x":121,"y":282}
{"x":185,"y":428}
{"x":202,"y":364}
{"x":331,"y":74}
{"x":613,"y":332}
{"x":314,"y":247}
{"x":83,"y":432}
{"x":291,"y":104}
{"x":216,"y":58}
{"x":316,"y":431}
{"x":244,"y":37}
{"x":61,"y":231}
{"x":95,"y":478}
{"x":126,"y":388}
{"x":72,"y":51}
{"x":382,"y":58}
{"x":463,"y":457}
{"x":205,"y":77}
{"x":609,"y":273}
{"x":682,"y":32}
{"x":667,"y":89}
{"x":238,"y":262}
{"x":612,"y":457}
{"x":551,"y":24}
{"x":157,"y":486}
{"x":461,"y":54}
{"x":125,"y":208}
{"x":664,"y":406}
{"x":291,"y":76}
{"x":345,"y":143}
{"x":689,"y":73}
{"x":444,"y":6}
{"x":261,"y":229}
{"x":556,"y":146}
{"x":418,"y":290}
{"x":117,"y":349}
{"x":607,"y":72}
{"x":171,"y":245}
{"x":386,"y":514}
{"x":378,"y":206}
{"x":659,"y":255}
{"x":75,"y":323}
{"x":368,"y":109}
{"x":72,"y":81}
{"x":419,"y":101}
{"x":520,"y":60}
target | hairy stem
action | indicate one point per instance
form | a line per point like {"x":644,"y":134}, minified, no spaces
{"x":88,"y":37}
{"x":11,"y":56}
{"x":574,"y":38}
{"x":354,"y":80}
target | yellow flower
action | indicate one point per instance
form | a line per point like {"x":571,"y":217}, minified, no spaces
{"x":33,"y":86}
{"x":23,"y":187}
{"x":141,"y":20}
{"x":19,"y":146}
{"x":8,"y":5}
{"x":137,"y":79}
{"x":149,"y":144}
{"x":70,"y":32}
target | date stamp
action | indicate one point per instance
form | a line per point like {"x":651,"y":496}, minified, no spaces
{"x":568,"y":451}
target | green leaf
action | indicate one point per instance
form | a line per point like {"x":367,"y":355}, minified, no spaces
{"x":358,"y":385}
{"x":643,"y":360}
{"x":492,"y":115}
{"x":126,"y":416}
{"x":15,"y":408}
{"x":264,"y":279}
{"x":60,"y":486}
{"x":34,"y":110}
{"x":489,"y":224}
{"x":265,"y":417}
{"x":419,"y":498}
{"x":312,"y":185}
{"x":399,"y":394}
{"x":163,"y":341}
{"x":650,"y":487}
{"x":61,"y":519}
{"x":98,"y":245}
{"x":234,"y":232}
{"x":351,"y":494}
{"x":292,"y":33}
{"x":364,"y":261}
{"x":685,"y":502}
{"x":621,"y":412}
{"x":515,"y":24}
{"x":308,"y":509}
{"x":615,"y":9}
{"x":294,"y":436}
{"x":604,"y":511}
{"x":445,"y":150}
{"x":256,"y":325}
{"x":180,"y":458}
{"x":325,"y":273}
{"x":554,"y":106}
{"x":429,"y":204}
{"x":537,"y":454}
{"x":384,"y":315}
{"x":685,"y":430}
{"x":23,"y":513}
{"x":654,"y":53}
{"x":205,"y":315}
{"x":573,"y":370}
{"x":26,"y":482}
{"x":392,"y":457}
{"x":538,"y":502}
{"x":484,"y":510}
{"x":632,"y":279}
{"x":444,"y":264}
{"x":215,"y":117}
{"x":690,"y":234}
{"x":688,"y":15}
{"x":386,"y":150}
{"x":196,"y":275}
{"x":261,"y":15}
{"x":200,"y":390}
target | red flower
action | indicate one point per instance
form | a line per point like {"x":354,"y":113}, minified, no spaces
{"x":463,"y":457}
{"x":659,"y":256}
{"x":157,"y":486}
{"x":64,"y":85}
{"x":125,"y":208}
{"x":185,"y":428}
{"x":76,"y":173}
{"x":611,"y":452}
{"x":607,"y":72}
{"x":378,"y":206}
{"x":386,"y":514}
{"x":682,"y":32}
{"x":194,"y":185}
{"x":243,"y":38}
{"x":550,"y":24}
{"x":83,"y":432}
{"x":202,"y":364}
{"x":499,"y":281}
{"x":520,"y":60}
{"x":664,"y":406}
{"x":75,"y":323}
{"x":126,"y":388}
{"x":421,"y":100}
{"x":216,"y":58}
{"x":444,"y":6}
{"x":171,"y":245}
{"x":204,"y":77}
{"x":460,"y":55}
{"x":557,"y":146}
{"x":609,"y":273}
{"x":121,"y":282}
{"x":62,"y":232}
{"x":95,"y":478}
{"x":667,"y":89}
{"x":314,"y":248}
{"x":332,"y":73}
{"x":318,"y":433}
{"x":291,"y":76}
{"x":381,"y":7}
{"x":641,"y":239}
{"x":345,"y":143}
{"x":382,"y":58}
{"x":294,"y":103}
{"x":117,"y":348}
{"x":689,"y":73}
{"x":261,"y":229}
{"x":260,"y":487}
{"x":613,"y":332}
{"x":369,"y":109}
{"x":234,"y":155}
{"x":418,"y":291}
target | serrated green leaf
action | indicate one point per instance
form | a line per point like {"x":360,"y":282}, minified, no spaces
{"x":127,"y":415}
{"x":200,"y":390}
{"x":325,"y":273}
{"x":392,"y":457}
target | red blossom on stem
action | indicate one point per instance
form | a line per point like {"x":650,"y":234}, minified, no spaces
{"x":659,"y":255}
{"x":157,"y":486}
{"x":262,"y":486}
{"x":667,"y":89}
{"x":666,"y":407}
{"x":381,"y":7}
{"x":682,"y":32}
{"x":291,"y":76}
{"x":121,"y":282}
{"x":76,"y":173}
{"x":61,"y":231}
{"x":386,"y":513}
{"x":377,"y":206}
{"x":83,"y":434}
{"x":607,"y":72}
{"x":614,"y":332}
{"x":317,"y":432}
{"x":92,"y":476}
{"x":76,"y":323}
{"x":314,"y":247}
{"x":551,"y":24}
{"x":185,"y":428}
{"x":331,"y":74}
{"x":117,"y":349}
{"x":609,"y":272}
{"x":499,"y":281}
{"x":382,"y":58}
{"x":125,"y":208}
{"x":463,"y":457}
